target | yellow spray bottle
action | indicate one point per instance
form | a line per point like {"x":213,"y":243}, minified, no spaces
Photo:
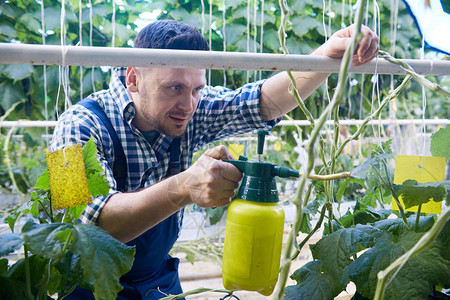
{"x":254,"y":227}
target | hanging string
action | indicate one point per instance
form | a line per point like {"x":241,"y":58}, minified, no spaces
{"x":44,"y":69}
{"x":63,"y":69}
{"x":210,"y":37}
{"x":91,"y":44}
{"x":255,"y":31}
{"x":203,"y":17}
{"x":113,"y":41}
{"x":375,"y":86}
{"x":424,"y":104}
{"x":261,"y":39}
{"x":80,"y":30}
{"x":326,"y":95}
{"x":248,"y":34}
{"x":224,"y":39}
{"x":393,"y":32}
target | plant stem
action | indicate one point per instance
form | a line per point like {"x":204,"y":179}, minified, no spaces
{"x":27,"y":273}
{"x":416,"y":226}
{"x":425,"y":241}
{"x":196,"y":291}
{"x":67,"y":242}
{"x":306,"y":239}
{"x":410,"y":71}
{"x":343,"y":175}
{"x":8,"y":160}
{"x":45,"y":210}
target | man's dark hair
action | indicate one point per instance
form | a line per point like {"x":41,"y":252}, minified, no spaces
{"x":169,"y":34}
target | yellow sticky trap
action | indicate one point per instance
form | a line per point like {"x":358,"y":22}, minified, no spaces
{"x":422,"y":169}
{"x":68,"y":183}
{"x":236,"y":150}
{"x":277,"y":146}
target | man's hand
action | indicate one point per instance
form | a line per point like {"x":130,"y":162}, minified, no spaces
{"x":366,"y":50}
{"x":209,"y":182}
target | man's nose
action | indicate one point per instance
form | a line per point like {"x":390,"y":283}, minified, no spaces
{"x":187,"y":103}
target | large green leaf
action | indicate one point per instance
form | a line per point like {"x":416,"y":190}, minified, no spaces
{"x":7,"y":30}
{"x":312,"y":284}
{"x":440,"y":142}
{"x":335,"y":250}
{"x":91,"y":163}
{"x":397,"y":227}
{"x":10,"y":94}
{"x":98,"y":185}
{"x":30,"y":22}
{"x":102,"y":258}
{"x":414,"y":193}
{"x":414,"y":281}
{"x":3,"y":266}
{"x":303,"y":24}
{"x":363,"y":214}
{"x":47,"y":240}
{"x":9,"y":242}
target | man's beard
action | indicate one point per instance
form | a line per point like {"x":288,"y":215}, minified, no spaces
{"x":158,"y":126}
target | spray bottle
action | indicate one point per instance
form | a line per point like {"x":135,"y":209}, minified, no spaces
{"x":254,"y":226}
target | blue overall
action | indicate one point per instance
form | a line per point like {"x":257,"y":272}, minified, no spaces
{"x":154,"y":273}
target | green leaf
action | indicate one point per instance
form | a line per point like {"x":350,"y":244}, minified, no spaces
{"x":215,"y":214}
{"x":18,"y":72}
{"x":10,"y":94}
{"x":8,"y":30}
{"x":303,"y":24}
{"x":312,"y":284}
{"x":47,"y":240}
{"x":335,"y":250}
{"x":68,"y":272}
{"x":363,"y":214}
{"x":313,"y":206}
{"x":102,"y":258}
{"x":414,"y":281}
{"x":397,"y":227}
{"x":30,"y":22}
{"x":414,"y":193}
{"x":98,"y":185}
{"x":38,"y":266}
{"x":341,"y":190}
{"x":3,"y":266}
{"x":377,"y":171}
{"x":444,"y":238}
{"x":43,"y":183}
{"x":440,"y":142}
{"x":9,"y":242}
{"x":76,"y":211}
{"x":91,"y":162}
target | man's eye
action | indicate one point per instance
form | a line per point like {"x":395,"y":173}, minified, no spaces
{"x":175,"y":87}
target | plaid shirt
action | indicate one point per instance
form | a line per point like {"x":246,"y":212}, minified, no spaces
{"x":221,"y":113}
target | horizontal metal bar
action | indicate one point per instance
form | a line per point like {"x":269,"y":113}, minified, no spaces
{"x":19,"y":124}
{"x":371,"y":122}
{"x":14,"y":53}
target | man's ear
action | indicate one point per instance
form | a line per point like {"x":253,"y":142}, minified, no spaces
{"x":131,"y":80}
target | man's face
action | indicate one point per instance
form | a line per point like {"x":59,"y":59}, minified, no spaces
{"x":165,"y":98}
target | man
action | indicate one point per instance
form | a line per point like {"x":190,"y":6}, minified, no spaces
{"x":162,"y":116}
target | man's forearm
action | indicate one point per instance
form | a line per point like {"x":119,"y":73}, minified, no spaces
{"x":128,"y":215}
{"x":276,"y":99}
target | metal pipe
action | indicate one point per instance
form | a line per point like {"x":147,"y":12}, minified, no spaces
{"x":23,"y":124}
{"x":14,"y":53}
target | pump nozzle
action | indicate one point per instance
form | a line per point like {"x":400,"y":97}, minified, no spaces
{"x":261,"y":137}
